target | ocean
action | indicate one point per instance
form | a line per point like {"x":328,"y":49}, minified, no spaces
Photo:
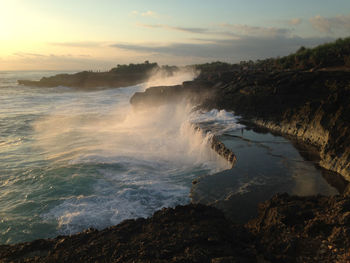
{"x":70,"y":160}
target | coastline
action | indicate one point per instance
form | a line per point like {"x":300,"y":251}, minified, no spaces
{"x":268,"y":163}
{"x":283,"y":230}
{"x":310,"y":106}
{"x":200,"y":233}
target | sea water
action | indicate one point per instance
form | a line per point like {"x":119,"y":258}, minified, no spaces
{"x":70,"y":160}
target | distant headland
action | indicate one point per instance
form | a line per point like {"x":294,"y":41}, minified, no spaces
{"x":119,"y":76}
{"x":329,"y":56}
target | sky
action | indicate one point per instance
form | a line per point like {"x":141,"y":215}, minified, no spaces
{"x":99,"y":34}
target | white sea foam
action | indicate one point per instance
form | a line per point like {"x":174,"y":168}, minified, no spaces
{"x":155,"y":150}
{"x":218,"y":121}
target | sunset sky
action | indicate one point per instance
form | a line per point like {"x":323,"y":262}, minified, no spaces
{"x":87,"y":34}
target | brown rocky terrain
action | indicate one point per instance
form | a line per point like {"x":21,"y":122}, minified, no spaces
{"x":303,"y":229}
{"x":288,"y":229}
{"x":311,"y":106}
{"x":192,"y":233}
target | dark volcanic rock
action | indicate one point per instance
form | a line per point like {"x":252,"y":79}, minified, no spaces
{"x":89,"y":80}
{"x":312,"y":106}
{"x":303,"y":229}
{"x":219,"y":147}
{"x":222,"y":150}
{"x":121,"y":76}
{"x":194,"y":92}
{"x":288,"y":229}
{"x":192,"y":233}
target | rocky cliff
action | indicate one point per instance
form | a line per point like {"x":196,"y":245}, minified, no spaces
{"x":312,"y":106}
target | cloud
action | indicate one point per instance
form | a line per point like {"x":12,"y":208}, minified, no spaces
{"x":79,"y":44}
{"x":246,"y":30}
{"x":228,"y":42}
{"x":27,"y":55}
{"x":148,"y":13}
{"x":331,"y":25}
{"x":232,"y":50}
{"x":321,"y":24}
{"x":30,"y":61}
{"x":196,"y":30}
{"x":225,"y":30}
{"x":294,"y":21}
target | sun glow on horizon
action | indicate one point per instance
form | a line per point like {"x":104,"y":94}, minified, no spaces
{"x":63,"y":34}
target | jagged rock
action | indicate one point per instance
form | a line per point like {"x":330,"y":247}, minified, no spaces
{"x":303,"y":229}
{"x":312,"y":106}
{"x":192,"y":233}
{"x":288,"y":229}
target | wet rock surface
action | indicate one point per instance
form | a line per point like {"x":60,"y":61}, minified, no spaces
{"x":219,"y":147}
{"x":311,"y":106}
{"x":266,"y":164}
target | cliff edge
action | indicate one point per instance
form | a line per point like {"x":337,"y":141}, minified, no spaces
{"x":312,"y":106}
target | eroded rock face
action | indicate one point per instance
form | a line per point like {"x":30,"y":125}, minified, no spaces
{"x":312,"y":106}
{"x":222,"y":150}
{"x":194,"y":92}
{"x":219,"y":147}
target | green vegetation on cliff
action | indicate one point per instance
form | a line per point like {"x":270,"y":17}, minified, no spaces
{"x":132,"y":68}
{"x":334,"y":54}
{"x":120,"y":76}
{"x":216,"y":66}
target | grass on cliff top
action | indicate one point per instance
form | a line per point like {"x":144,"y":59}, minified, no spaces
{"x":328,"y":55}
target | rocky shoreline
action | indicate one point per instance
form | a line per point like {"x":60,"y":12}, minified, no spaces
{"x":311,"y":106}
{"x":287,"y":228}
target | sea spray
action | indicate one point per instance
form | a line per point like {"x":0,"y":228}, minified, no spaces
{"x":72,"y":160}
{"x":147,"y":159}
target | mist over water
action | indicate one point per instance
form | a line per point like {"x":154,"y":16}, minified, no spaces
{"x":73,"y":160}
{"x":70,"y":160}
